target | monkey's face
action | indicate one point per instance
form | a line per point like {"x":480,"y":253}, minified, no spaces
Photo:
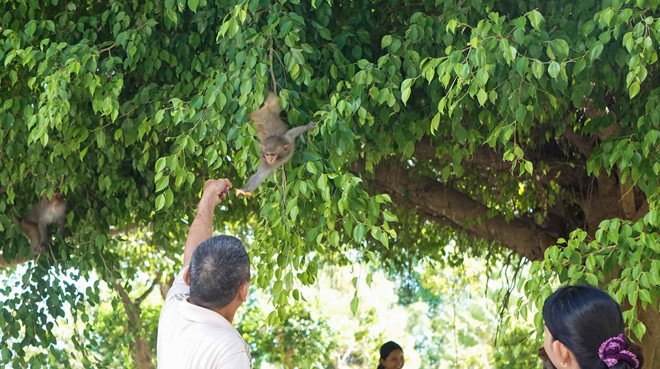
{"x":272,"y":157}
{"x":274,"y":150}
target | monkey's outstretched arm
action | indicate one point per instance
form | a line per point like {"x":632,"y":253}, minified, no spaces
{"x":297,"y":131}
{"x":263,"y":171}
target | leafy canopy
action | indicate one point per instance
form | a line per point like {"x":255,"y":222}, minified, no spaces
{"x":518,"y":112}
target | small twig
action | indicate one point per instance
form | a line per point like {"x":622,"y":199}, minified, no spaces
{"x":283,"y":67}
{"x":107,"y":48}
{"x":50,"y":248}
{"x":283,"y":183}
{"x":146,"y":293}
{"x":272,"y":74}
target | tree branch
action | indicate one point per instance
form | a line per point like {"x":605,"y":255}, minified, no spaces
{"x":584,"y":146}
{"x":146,"y":293}
{"x":129,"y":306}
{"x":436,"y":200}
{"x":165,"y":286}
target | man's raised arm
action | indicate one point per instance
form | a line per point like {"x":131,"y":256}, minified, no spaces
{"x":202,"y":226}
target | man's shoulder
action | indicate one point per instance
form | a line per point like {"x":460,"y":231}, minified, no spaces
{"x":207,"y":344}
{"x":225,"y":346}
{"x":222,"y":334}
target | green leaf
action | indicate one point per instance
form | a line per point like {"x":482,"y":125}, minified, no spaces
{"x":535,"y":18}
{"x":354,"y":304}
{"x":482,"y":77}
{"x":482,"y":96}
{"x":510,"y":53}
{"x":606,"y":16}
{"x":451,"y":25}
{"x":639,"y":329}
{"x":160,"y":164}
{"x":30,"y":28}
{"x":595,"y":51}
{"x":388,"y":216}
{"x":579,"y":66}
{"x":521,"y":113}
{"x":159,"y":115}
{"x":325,"y":34}
{"x":162,"y":183}
{"x":588,"y":27}
{"x":160,"y":201}
{"x":459,"y":133}
{"x":553,"y":69}
{"x":386,"y":41}
{"x":405,"y":90}
{"x":633,"y":90}
{"x":492,"y":96}
{"x":537,"y":69}
{"x":100,"y":139}
{"x":169,"y":197}
{"x":644,"y":295}
{"x":561,"y":48}
{"x":359,"y":232}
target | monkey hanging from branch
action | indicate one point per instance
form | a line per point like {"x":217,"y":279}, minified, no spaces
{"x":275,"y":141}
{"x":34,"y":225}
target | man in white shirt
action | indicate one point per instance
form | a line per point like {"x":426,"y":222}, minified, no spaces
{"x":195,"y":329}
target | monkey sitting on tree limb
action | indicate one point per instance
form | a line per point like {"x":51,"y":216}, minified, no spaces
{"x":35,"y":223}
{"x":275,"y":141}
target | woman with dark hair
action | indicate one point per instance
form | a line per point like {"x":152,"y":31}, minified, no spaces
{"x":584,"y":330}
{"x":391,"y":356}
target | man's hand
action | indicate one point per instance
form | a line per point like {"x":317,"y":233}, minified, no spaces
{"x":214,"y":191}
{"x":202,"y":226}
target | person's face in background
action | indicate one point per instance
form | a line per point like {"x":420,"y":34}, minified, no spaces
{"x":394,"y":360}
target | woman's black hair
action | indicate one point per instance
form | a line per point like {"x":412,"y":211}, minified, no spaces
{"x":385,"y":351}
{"x":582,"y":318}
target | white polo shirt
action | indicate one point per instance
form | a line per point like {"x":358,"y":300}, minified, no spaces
{"x":190,"y":336}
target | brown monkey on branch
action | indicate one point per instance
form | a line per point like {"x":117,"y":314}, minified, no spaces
{"x":275,"y":141}
{"x":35,"y":223}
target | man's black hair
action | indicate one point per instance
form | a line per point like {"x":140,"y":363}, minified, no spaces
{"x":218,"y":267}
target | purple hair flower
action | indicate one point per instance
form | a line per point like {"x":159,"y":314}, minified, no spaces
{"x":614,"y":349}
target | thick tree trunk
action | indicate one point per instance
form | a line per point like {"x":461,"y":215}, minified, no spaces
{"x":143,"y":353}
{"x":651,"y":343}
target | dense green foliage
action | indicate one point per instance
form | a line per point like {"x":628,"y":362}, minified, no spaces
{"x":509,"y":123}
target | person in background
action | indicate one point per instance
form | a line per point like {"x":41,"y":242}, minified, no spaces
{"x":391,"y":356}
{"x":584,"y":330}
{"x":195,"y":328}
